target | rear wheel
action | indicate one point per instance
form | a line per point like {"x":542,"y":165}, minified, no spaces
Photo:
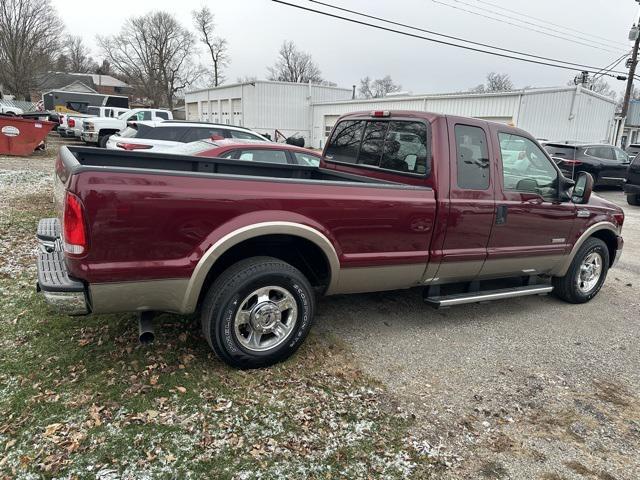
{"x":103,"y":139}
{"x":258,"y":312}
{"x":633,"y":199}
{"x":586,"y":274}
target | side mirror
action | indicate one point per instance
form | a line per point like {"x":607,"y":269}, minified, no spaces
{"x":565,"y":186}
{"x":583,"y":188}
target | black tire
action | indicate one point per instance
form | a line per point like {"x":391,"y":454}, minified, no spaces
{"x":223,"y":302}
{"x":633,"y":199}
{"x":567,"y":287}
{"x":102,"y":140}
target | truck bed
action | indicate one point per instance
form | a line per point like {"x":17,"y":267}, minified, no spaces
{"x":77,"y":159}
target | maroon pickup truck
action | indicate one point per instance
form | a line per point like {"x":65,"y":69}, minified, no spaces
{"x":468,"y":210}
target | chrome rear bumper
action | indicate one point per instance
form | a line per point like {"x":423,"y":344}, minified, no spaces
{"x":64,"y":293}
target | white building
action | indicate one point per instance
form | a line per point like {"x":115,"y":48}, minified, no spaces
{"x":561,"y":114}
{"x":262,"y":106}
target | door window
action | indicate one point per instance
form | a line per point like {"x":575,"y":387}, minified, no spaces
{"x":171,"y":134}
{"x":268,"y":156}
{"x":621,"y":156}
{"x":525,"y":168}
{"x":163,"y":115}
{"x":202,"y":133}
{"x":472,"y":158}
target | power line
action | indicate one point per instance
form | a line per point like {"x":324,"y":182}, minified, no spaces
{"x":442,"y":42}
{"x":612,"y":65}
{"x":525,"y":27}
{"x":563,"y":33}
{"x":451,"y":37}
{"x":619,"y":43}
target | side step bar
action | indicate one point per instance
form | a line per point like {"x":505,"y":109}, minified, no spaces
{"x":486,"y":296}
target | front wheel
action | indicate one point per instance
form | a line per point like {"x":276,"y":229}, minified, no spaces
{"x":258,"y":312}
{"x":633,"y":199}
{"x":586,"y":274}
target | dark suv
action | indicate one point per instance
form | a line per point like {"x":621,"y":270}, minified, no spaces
{"x":606,"y":164}
{"x":632,"y":187}
{"x":633,"y":149}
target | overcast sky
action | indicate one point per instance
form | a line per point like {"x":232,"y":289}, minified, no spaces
{"x":345,"y":52}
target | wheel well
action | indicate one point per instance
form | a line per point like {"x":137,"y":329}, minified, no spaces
{"x":299,"y":252}
{"x":107,"y":131}
{"x":609,"y":238}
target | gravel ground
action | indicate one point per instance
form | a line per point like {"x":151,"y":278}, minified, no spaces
{"x":524,"y":388}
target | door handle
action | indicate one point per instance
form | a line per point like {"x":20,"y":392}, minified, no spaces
{"x":501,"y":214}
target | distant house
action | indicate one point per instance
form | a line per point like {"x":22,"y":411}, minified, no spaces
{"x":80,"y":82}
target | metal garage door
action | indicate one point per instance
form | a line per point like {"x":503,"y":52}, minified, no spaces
{"x":192,"y":111}
{"x":329,"y":122}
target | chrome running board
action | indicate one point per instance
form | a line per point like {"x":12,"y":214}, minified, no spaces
{"x":486,"y":296}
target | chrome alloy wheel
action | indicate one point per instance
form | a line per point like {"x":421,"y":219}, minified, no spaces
{"x":266,"y":318}
{"x":590,"y":272}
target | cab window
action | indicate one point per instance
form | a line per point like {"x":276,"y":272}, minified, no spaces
{"x":525,"y":168}
{"x":472,"y":157}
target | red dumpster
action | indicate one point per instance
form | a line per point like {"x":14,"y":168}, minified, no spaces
{"x":21,"y":136}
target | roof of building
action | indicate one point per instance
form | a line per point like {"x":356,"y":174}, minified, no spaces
{"x":270,"y":82}
{"x":59,"y":80}
{"x":525,"y":91}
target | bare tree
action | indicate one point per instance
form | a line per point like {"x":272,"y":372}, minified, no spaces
{"x":377,"y":88}
{"x":295,"y":66}
{"x":218,"y":48}
{"x":78,"y":57}
{"x":496,"y":82}
{"x":155,"y":54}
{"x":29,"y":33}
{"x":247,"y":79}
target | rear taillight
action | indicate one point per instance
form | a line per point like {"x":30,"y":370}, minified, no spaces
{"x":71,"y":122}
{"x":133,"y":146}
{"x":571,"y":162}
{"x":74,"y":233}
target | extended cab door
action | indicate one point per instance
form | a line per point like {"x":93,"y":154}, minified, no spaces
{"x":471,"y":201}
{"x":531,"y":230}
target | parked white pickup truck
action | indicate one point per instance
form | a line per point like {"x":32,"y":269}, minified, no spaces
{"x":98,"y":130}
{"x":78,"y":119}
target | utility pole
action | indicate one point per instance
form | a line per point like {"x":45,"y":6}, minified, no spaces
{"x":632,"y":72}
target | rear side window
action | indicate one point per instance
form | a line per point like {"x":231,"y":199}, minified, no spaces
{"x":163,"y":115}
{"x":307,"y":160}
{"x":172,"y":134}
{"x":93,"y":111}
{"x":472,"y":157}
{"x":391,"y":145}
{"x":268,"y":156}
{"x":201,"y":134}
{"x":244,"y":135}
